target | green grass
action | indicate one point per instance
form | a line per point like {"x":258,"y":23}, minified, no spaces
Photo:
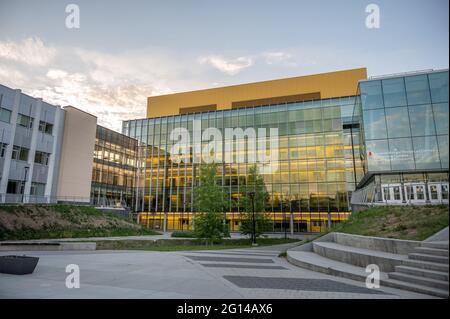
{"x":50,"y":233}
{"x":21,"y":222}
{"x":401,"y":222}
{"x":185,"y":244}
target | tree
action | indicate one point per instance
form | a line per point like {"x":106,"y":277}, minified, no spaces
{"x":209,"y":203}
{"x":255,"y":184}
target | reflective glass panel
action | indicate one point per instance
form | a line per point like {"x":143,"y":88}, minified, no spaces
{"x":374,"y":124}
{"x":417,"y":89}
{"x":397,"y":122}
{"x":394,"y":92}
{"x":443,"y":150}
{"x":371,"y":96}
{"x":426,"y":152}
{"x":401,"y":154}
{"x":422,"y":122}
{"x":441,"y":117}
{"x":439,"y":87}
{"x":378,"y":155}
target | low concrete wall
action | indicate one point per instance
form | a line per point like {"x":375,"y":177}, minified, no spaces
{"x":47,"y":246}
{"x":394,"y":246}
{"x":386,"y":264}
{"x":309,"y":246}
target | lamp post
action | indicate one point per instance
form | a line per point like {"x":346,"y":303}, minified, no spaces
{"x":252,"y":197}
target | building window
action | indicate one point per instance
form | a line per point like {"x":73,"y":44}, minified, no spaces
{"x":426,"y":152}
{"x":45,"y":127}
{"x":394,"y":92}
{"x":3,"y":147}
{"x":41,"y":158}
{"x":422,"y":122}
{"x":37,"y":189}
{"x":439,"y":87}
{"x":15,"y":187}
{"x":417,"y":89}
{"x":398,"y":122}
{"x":25,"y":121}
{"x":401,"y":154}
{"x":5,"y":115}
{"x":375,"y":124}
{"x":371,"y":95}
{"x":19,"y":153}
{"x":441,"y":117}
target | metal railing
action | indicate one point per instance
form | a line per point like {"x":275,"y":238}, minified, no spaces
{"x":38,"y":199}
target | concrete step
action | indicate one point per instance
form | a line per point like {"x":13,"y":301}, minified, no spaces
{"x":417,"y":280}
{"x":312,"y":261}
{"x":358,"y":256}
{"x":315,"y":262}
{"x":424,"y":257}
{"x":435,"y":244}
{"x":393,"y":283}
{"x":428,"y":265}
{"x":431,"y":251}
{"x":438,"y":275}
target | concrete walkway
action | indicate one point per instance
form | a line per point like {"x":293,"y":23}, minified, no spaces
{"x":164,"y":235}
{"x":235,"y":273}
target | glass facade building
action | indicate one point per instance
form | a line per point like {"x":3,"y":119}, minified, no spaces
{"x":114,"y":169}
{"x":385,"y":144}
{"x":404,"y":120}
{"x":319,"y":164}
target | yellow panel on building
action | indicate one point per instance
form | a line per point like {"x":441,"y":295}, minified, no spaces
{"x":317,"y":86}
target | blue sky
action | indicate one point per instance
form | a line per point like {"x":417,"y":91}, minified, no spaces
{"x":125,"y":51}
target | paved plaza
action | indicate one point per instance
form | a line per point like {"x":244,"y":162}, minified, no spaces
{"x":235,"y":273}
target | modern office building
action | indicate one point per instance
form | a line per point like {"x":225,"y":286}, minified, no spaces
{"x":344,"y":140}
{"x":404,"y":120}
{"x":114,"y":169}
{"x":31,"y":132}
{"x":319,"y":160}
{"x":51,"y":154}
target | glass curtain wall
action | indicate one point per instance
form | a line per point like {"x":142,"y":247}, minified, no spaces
{"x":319,"y":165}
{"x":405,"y":123}
{"x":114,"y":169}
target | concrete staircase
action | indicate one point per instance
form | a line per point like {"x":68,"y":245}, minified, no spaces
{"x":426,"y":266}
{"x":420,"y":267}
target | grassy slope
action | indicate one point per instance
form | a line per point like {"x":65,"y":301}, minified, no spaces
{"x":402,"y":222}
{"x":185,"y":244}
{"x":62,"y":221}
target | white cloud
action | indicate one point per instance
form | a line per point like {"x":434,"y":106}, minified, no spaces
{"x":276,"y":57}
{"x":227,"y":66}
{"x":114,"y":87}
{"x":30,"y":51}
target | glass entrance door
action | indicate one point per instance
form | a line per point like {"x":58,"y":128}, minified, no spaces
{"x":415,"y":193}
{"x":392,"y":193}
{"x":438,"y":192}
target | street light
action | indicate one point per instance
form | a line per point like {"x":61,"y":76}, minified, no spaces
{"x":252,"y":197}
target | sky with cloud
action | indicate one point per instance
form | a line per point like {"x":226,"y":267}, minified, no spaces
{"x":125,"y":51}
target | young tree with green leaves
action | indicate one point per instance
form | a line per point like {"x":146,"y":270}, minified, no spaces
{"x":209,"y":204}
{"x":255,"y":188}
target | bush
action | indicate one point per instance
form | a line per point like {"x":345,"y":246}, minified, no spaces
{"x":183,"y":234}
